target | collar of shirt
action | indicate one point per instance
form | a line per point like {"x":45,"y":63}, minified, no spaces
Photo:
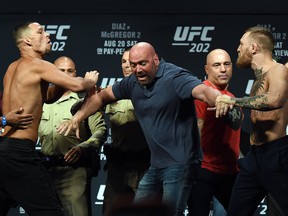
{"x":67,"y":97}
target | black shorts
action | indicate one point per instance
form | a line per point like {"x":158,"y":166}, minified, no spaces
{"x":25,"y":180}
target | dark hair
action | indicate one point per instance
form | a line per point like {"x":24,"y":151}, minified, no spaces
{"x":19,"y":30}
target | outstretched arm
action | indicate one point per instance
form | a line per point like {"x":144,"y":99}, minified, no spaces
{"x":205,"y":93}
{"x":75,"y":84}
{"x":92,"y":103}
{"x":258,"y":102}
{"x":263,"y":98}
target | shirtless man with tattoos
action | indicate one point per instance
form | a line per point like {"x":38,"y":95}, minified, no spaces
{"x":265,"y":168}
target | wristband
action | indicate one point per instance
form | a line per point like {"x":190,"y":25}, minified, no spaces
{"x":3,"y":121}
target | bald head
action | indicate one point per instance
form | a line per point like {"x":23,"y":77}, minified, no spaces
{"x":142,"y":48}
{"x":63,"y":59}
{"x":144,"y":62}
{"x":214,"y":53}
{"x":66,"y":64}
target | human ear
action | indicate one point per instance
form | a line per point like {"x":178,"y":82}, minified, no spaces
{"x":27,"y":41}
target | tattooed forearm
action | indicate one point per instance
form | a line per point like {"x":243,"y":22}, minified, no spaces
{"x":258,"y":102}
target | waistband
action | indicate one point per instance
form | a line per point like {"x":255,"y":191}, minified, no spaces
{"x":272,"y":146}
{"x":11,"y":143}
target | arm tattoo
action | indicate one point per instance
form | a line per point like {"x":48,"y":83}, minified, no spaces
{"x":259,"y":82}
{"x":258,"y":102}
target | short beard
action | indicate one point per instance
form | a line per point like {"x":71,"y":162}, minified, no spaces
{"x":244,"y":61}
{"x":48,"y":51}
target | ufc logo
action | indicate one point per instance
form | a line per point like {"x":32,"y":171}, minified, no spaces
{"x":57,"y":30}
{"x":188,"y":33}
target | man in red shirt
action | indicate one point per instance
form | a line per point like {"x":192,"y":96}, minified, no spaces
{"x":220,"y":141}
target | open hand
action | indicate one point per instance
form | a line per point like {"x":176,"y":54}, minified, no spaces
{"x":67,"y":127}
{"x":17,"y":118}
{"x":73,"y":155}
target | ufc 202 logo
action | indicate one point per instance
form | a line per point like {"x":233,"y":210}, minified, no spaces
{"x":198,"y":37}
{"x":59,"y":34}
